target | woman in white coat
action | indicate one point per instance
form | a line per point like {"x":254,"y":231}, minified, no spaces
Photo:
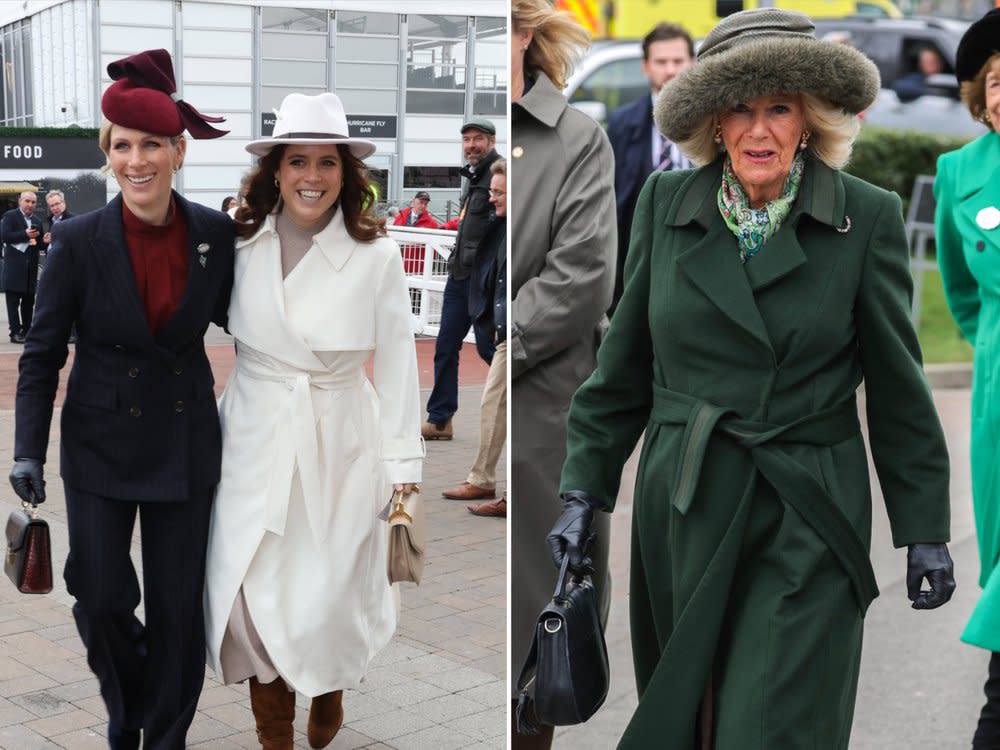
{"x":297,"y":596}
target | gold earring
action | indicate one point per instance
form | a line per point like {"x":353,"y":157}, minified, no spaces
{"x":276,"y":183}
{"x":805,"y":140}
{"x":986,"y":117}
{"x":717,"y":137}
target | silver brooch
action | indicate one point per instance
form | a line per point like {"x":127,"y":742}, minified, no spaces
{"x":203,"y":248}
{"x":203,"y":259}
{"x":847,"y":225}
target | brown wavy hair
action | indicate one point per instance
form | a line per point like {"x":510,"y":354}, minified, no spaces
{"x":357,"y":196}
{"x":973,"y":93}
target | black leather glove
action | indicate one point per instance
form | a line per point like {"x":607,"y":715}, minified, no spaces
{"x":26,"y":479}
{"x":570,"y":533}
{"x":930,"y":561}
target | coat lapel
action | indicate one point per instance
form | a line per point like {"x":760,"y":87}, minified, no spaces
{"x":712,"y":261}
{"x":112,"y":256}
{"x":199,"y":275}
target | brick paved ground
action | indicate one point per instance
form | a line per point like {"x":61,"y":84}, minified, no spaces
{"x":440,"y":685}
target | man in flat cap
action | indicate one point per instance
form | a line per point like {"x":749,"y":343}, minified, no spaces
{"x":417,"y":214}
{"x":478,"y":141}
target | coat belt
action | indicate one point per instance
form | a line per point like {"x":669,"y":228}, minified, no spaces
{"x":295,"y":444}
{"x":794,"y":484}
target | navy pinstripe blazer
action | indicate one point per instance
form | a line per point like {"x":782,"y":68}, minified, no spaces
{"x":140,"y":420}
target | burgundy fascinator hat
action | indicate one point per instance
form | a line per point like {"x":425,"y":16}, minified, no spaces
{"x":144,"y":97}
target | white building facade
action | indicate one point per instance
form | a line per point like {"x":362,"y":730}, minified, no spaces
{"x":409,"y":73}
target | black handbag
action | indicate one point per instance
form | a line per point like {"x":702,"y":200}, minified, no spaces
{"x":29,"y":552}
{"x":568,"y":659}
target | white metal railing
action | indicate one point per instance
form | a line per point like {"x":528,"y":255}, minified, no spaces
{"x":425,"y":262}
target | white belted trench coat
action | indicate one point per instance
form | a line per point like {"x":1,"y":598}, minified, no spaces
{"x":310,"y":451}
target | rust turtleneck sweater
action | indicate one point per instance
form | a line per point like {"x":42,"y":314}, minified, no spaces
{"x":159,"y":257}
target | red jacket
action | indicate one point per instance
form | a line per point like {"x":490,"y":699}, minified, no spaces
{"x":424,"y":221}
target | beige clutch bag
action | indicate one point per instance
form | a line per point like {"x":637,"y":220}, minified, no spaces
{"x":407,"y":537}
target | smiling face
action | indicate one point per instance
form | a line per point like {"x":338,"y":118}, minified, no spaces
{"x":310,"y":178}
{"x":498,"y":194}
{"x":144,"y":165}
{"x":992,"y":86}
{"x":761,"y":136}
{"x":476,"y":144}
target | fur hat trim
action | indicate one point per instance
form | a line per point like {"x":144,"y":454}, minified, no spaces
{"x":765,"y":65}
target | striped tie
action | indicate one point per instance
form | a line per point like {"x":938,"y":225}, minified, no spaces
{"x":666,"y":162}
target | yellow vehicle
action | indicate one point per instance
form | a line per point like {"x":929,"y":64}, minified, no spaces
{"x":632,"y":19}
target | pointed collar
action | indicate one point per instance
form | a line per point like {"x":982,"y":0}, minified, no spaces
{"x":543,"y":101}
{"x":333,"y":240}
{"x":979,"y":166}
{"x":821,"y":196}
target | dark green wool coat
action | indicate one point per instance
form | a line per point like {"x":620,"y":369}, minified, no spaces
{"x":752,"y":505}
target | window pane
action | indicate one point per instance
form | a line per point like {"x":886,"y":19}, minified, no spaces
{"x":367,"y":48}
{"x":294,"y":19}
{"x":435,"y":52}
{"x":491,"y":78}
{"x":432,"y":177}
{"x":615,"y":84}
{"x":436,"y":77}
{"x":272,"y":96}
{"x":435,"y":102}
{"x":490,"y":27}
{"x":352,"y":22}
{"x":214,"y":42}
{"x":487,"y":103}
{"x":296,"y":46}
{"x":490,"y":54}
{"x":292,"y":73}
{"x":360,"y":74}
{"x":357,"y":101}
{"x":439,"y":27}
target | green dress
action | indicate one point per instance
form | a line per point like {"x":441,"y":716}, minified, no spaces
{"x":752,"y":506}
{"x":968,"y":244}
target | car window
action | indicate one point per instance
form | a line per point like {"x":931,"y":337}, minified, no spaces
{"x":614,"y":83}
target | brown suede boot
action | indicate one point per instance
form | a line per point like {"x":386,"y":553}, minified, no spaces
{"x":273,"y":707}
{"x":326,"y":714}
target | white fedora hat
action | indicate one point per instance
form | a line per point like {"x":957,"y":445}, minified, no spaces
{"x":317,"y":120}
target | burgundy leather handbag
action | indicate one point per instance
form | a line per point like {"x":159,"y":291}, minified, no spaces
{"x":29,"y":551}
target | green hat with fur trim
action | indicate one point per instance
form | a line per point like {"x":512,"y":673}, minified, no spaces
{"x":762,"y":52}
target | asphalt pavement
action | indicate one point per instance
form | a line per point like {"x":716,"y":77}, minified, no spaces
{"x":439,"y":685}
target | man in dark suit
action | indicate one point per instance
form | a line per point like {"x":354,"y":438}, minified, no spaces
{"x":21,"y":229}
{"x":638,"y":146}
{"x":57,"y":212}
{"x":56,"y":201}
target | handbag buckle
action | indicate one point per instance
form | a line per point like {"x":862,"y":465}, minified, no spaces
{"x":552,"y":625}
{"x":399,"y":510}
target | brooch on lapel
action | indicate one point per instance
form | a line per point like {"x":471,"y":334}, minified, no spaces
{"x":988,"y":218}
{"x":847,"y":225}
{"x":203,"y":253}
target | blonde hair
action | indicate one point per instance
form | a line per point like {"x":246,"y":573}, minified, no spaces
{"x":558,"y":40}
{"x":104,"y":141}
{"x":831,"y":134}
{"x":973,"y":92}
{"x":499,"y":167}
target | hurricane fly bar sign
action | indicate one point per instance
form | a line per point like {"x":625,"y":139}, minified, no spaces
{"x":361,"y":126}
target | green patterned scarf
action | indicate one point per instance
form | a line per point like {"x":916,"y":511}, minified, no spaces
{"x":753,"y":227}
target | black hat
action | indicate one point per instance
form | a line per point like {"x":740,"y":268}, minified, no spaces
{"x":980,"y":41}
{"x":422,"y":195}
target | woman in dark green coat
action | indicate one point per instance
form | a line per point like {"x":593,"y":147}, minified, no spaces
{"x":967,"y":221}
{"x":761,"y":290}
